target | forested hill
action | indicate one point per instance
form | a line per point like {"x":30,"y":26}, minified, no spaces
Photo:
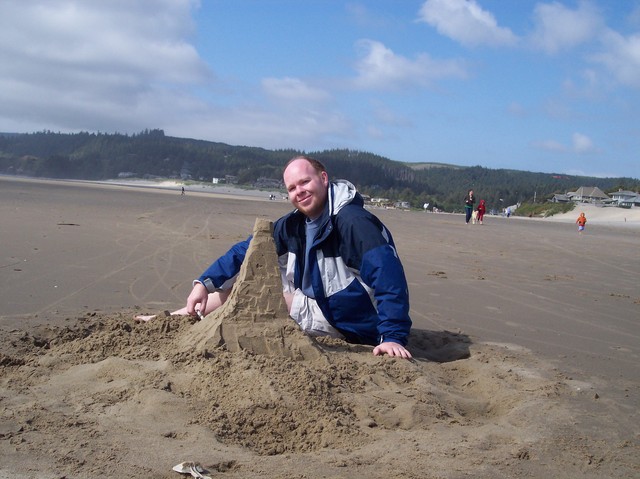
{"x":152,"y":154}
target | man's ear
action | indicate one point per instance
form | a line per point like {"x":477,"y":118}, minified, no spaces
{"x":325,"y":178}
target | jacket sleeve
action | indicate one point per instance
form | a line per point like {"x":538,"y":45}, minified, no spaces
{"x":381,"y":270}
{"x":225,"y":268}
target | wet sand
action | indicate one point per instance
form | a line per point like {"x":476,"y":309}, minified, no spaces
{"x":526,"y":336}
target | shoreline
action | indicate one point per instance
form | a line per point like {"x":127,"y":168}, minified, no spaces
{"x":176,"y":185}
{"x":167,"y":186}
{"x":596,"y":215}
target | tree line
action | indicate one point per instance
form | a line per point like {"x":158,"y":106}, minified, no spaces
{"x":150,"y":153}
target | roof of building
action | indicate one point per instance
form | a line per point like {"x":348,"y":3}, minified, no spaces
{"x":591,"y":192}
{"x":624,"y":193}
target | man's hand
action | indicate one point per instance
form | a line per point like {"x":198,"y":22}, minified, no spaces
{"x":392,"y":349}
{"x":198,"y":296}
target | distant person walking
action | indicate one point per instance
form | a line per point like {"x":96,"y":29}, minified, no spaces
{"x":482,"y":209}
{"x":182,"y":194}
{"x":469,"y":201}
{"x":581,"y":221}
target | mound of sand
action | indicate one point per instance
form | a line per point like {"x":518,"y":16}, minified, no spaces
{"x":110,"y":396}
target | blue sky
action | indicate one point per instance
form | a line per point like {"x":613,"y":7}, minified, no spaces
{"x":551,"y":86}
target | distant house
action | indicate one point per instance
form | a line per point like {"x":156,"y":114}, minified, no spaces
{"x":625,"y":198}
{"x":631,"y":202}
{"x":380,"y":202}
{"x":560,"y":198}
{"x":589,"y":194}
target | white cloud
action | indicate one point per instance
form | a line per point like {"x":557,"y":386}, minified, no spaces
{"x":621,"y":57}
{"x":560,"y":28}
{"x":254,"y":126}
{"x":125,"y":66}
{"x":82,"y":65}
{"x":117,"y":40}
{"x":380,"y":68}
{"x":580,"y":144}
{"x":466,"y":22}
{"x":293,"y":89}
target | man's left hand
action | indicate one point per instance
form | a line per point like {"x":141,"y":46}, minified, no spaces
{"x":392,"y":349}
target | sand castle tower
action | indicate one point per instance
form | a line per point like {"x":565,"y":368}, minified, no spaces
{"x":255,"y":316}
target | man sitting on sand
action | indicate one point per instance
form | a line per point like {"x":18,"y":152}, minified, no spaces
{"x":346,"y":281}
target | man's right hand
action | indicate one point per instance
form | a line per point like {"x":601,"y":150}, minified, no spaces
{"x":197,"y":298}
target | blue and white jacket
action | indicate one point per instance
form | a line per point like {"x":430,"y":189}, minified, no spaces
{"x":357,"y":278}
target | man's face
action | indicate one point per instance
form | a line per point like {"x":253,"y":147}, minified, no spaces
{"x":306,"y":187}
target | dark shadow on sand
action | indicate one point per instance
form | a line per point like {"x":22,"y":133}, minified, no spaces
{"x":438,"y":346}
{"x":424,"y":345}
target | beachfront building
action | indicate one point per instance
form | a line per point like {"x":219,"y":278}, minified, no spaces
{"x":626,"y":199}
{"x":589,"y":194}
{"x":381,"y":202}
{"x":631,"y":202}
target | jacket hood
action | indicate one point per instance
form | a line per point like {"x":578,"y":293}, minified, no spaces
{"x":342,"y":193}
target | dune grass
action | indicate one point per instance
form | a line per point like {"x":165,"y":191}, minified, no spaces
{"x":543,"y":210}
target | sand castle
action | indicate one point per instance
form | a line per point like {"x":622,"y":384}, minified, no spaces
{"x":254,"y":317}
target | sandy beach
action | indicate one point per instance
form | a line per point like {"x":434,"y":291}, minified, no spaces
{"x":526,"y":341}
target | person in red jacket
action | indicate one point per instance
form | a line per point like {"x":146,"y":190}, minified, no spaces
{"x":581,"y":221}
{"x":481,"y":211}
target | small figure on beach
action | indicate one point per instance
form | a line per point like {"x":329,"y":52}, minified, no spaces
{"x":182,"y":193}
{"x":581,"y":222}
{"x":469,"y":201}
{"x":482,"y":209}
{"x":341,"y":273}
